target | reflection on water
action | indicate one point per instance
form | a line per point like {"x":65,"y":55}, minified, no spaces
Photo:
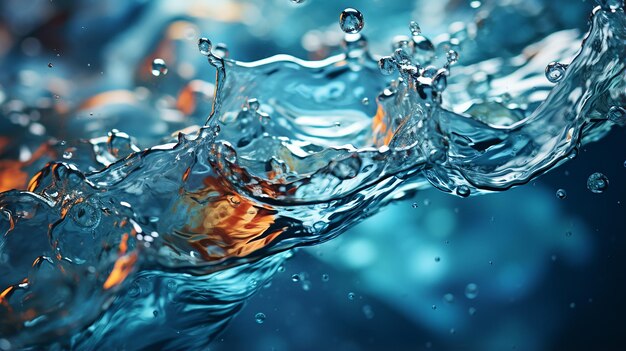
{"x":127,"y":212}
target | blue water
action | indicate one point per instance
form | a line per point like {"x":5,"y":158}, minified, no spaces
{"x":164,"y":234}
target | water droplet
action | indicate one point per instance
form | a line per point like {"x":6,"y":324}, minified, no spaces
{"x":471,"y":291}
{"x":597,"y":183}
{"x":415,"y":205}
{"x":281,"y":268}
{"x":449,"y":298}
{"x":297,"y":1}
{"x":437,"y":259}
{"x":414,"y":27}
{"x":259,"y":318}
{"x":561,"y":194}
{"x":205,"y":46}
{"x":67,"y":155}
{"x":365,"y":101}
{"x":325,"y":277}
{"x":295,"y":278}
{"x":572,"y":305}
{"x":386,"y":65}
{"x":351,"y":21}
{"x":617,"y":115}
{"x":50,"y":65}
{"x":452,"y":57}
{"x":155,"y":313}
{"x":351,"y":296}
{"x":463,"y":191}
{"x":434,"y":307}
{"x":159,"y":67}
{"x":471,"y":311}
{"x":555,"y":72}
{"x":568,"y":234}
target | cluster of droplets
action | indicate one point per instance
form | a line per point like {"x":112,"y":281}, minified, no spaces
{"x":412,"y":58}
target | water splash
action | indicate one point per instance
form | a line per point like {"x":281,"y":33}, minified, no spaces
{"x":291,"y":155}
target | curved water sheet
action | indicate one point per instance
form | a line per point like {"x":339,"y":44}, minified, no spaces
{"x":170,"y":241}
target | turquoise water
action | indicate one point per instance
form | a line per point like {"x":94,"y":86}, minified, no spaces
{"x":112,"y":240}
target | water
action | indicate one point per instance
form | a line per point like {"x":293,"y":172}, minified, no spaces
{"x":290,"y":156}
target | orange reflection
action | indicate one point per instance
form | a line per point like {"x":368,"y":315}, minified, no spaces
{"x":123,"y":266}
{"x":381,"y":131}
{"x":229,"y":225}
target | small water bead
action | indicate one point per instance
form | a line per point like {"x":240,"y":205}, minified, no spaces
{"x":463,"y":191}
{"x":415,"y":205}
{"x":295,"y":278}
{"x":434,"y":307}
{"x":437,"y":259}
{"x":259,"y":317}
{"x":205,"y":46}
{"x":597,"y":183}
{"x":415,"y":29}
{"x":365,"y":101}
{"x":297,"y":1}
{"x":386,"y":65}
{"x":568,"y":234}
{"x":452,"y":56}
{"x":159,"y":68}
{"x":254,"y":104}
{"x":50,"y":65}
{"x":449,"y":298}
{"x":351,"y":296}
{"x":561,"y":194}
{"x":555,"y":72}
{"x":617,"y":115}
{"x":351,"y":21}
{"x":325,"y":277}
{"x":471,"y":291}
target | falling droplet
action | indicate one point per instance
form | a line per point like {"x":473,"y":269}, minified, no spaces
{"x":351,"y":21}
{"x":259,"y":318}
{"x":205,"y":46}
{"x":597,"y":183}
{"x":414,"y":27}
{"x":159,"y":67}
{"x":471,"y":291}
{"x":561,"y":194}
{"x":555,"y":72}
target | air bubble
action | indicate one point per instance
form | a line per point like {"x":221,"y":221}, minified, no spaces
{"x":471,"y":291}
{"x":295,"y":278}
{"x":351,"y":296}
{"x":259,"y":318}
{"x":597,"y":183}
{"x":351,"y":21}
{"x":561,"y":194}
{"x":159,"y":68}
